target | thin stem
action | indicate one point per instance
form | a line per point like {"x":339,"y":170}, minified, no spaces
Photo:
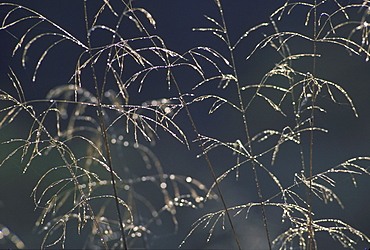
{"x":246,"y":128}
{"x":209,"y":164}
{"x":104,"y":134}
{"x":312,"y":123}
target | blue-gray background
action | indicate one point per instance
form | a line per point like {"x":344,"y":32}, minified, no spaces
{"x":348,"y":136}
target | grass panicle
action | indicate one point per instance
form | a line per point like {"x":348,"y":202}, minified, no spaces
{"x":95,"y":139}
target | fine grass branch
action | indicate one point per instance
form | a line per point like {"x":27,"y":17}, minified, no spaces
{"x":99,"y":145}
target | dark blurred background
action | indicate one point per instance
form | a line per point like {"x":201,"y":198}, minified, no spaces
{"x":348,"y":136}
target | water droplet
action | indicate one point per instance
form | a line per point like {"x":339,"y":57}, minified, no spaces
{"x":154,"y":103}
{"x":199,"y":199}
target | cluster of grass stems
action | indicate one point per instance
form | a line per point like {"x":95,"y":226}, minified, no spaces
{"x":91,"y":128}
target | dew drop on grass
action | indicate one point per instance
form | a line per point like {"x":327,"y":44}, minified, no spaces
{"x":19,"y":244}
{"x":199,"y":199}
{"x":154,"y":103}
{"x":5,"y":231}
{"x":171,"y":53}
{"x":163,"y":185}
{"x":167,"y":110}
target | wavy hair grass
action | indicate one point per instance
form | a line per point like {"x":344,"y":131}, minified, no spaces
{"x":106,"y":125}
